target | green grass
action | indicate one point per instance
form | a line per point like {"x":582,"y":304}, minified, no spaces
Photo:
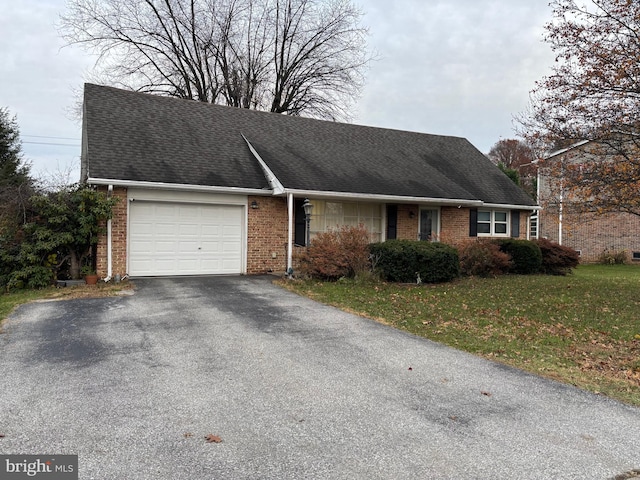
{"x":9,"y":301}
{"x":582,"y":329}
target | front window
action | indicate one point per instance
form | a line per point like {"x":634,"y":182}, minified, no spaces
{"x":493,"y":223}
{"x":329,"y":215}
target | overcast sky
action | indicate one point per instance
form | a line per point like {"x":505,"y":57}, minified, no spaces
{"x":450,"y":67}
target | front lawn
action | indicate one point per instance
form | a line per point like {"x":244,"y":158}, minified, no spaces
{"x":582,"y":329}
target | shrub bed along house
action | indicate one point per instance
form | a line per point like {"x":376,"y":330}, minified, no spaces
{"x":415,"y":261}
{"x":346,"y":253}
{"x":483,"y":258}
{"x":557,"y":259}
{"x":526,"y":256}
{"x":342,"y":253}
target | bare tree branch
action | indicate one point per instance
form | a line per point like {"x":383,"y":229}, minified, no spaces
{"x":593,"y":94}
{"x":287,"y":56}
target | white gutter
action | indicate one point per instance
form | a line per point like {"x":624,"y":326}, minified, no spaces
{"x":274,"y":183}
{"x":385,"y":198}
{"x":179,"y":186}
{"x":109,"y":242}
{"x":512,"y":207}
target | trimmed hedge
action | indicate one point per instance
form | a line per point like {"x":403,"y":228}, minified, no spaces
{"x":405,"y":260}
{"x":526,"y":256}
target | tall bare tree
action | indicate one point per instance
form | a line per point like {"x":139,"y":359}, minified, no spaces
{"x":593,"y":94}
{"x":515,"y":158}
{"x":511,"y":152}
{"x":286,"y":56}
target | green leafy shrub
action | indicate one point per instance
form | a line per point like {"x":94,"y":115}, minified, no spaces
{"x":608,"y":257}
{"x":557,"y":259}
{"x":60,"y":227}
{"x":337,"y":254}
{"x":408,"y":261}
{"x":483,"y":258}
{"x":526,"y":256}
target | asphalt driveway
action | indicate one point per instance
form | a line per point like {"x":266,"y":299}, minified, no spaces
{"x":294,"y":389}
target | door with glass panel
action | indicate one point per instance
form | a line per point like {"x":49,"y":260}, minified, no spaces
{"x":428,"y":224}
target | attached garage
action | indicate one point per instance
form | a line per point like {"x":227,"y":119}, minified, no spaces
{"x":184,"y":238}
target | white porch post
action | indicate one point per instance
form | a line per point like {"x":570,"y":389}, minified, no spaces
{"x":290,"y":233}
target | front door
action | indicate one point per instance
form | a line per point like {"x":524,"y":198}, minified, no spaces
{"x":428,"y":224}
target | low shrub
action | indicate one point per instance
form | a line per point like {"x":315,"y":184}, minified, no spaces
{"x":483,"y":258}
{"x":411,"y":261}
{"x":336,"y":254}
{"x":608,"y":257}
{"x":526,"y":257}
{"x":557,"y":259}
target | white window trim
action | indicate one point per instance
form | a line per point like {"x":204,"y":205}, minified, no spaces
{"x":492,"y":223}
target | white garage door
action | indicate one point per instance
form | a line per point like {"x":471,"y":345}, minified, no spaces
{"x":184,"y":239}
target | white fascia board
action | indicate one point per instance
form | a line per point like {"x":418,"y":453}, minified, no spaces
{"x":512,"y":207}
{"x":273,"y":181}
{"x":565,"y":150}
{"x":178,"y":186}
{"x":383,"y":198}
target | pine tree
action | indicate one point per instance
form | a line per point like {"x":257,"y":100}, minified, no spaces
{"x":13,"y":170}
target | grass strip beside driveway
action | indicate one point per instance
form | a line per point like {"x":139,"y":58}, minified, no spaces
{"x":582,"y":329}
{"x":9,"y":301}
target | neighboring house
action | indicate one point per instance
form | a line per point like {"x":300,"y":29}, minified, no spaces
{"x":209,"y":189}
{"x":563,"y":222}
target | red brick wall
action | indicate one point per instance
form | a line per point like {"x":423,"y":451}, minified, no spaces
{"x":407,"y":226}
{"x":118,"y":237}
{"x":524,"y":224}
{"x":593,"y":234}
{"x":454,"y":223}
{"x":267,"y":235}
{"x":267,"y":232}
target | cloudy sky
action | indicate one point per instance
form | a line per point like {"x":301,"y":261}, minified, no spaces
{"x":450,"y":67}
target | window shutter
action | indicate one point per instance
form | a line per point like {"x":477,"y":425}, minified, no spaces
{"x":300,"y":224}
{"x":473,"y":222}
{"x":392,"y":222}
{"x":515,"y":223}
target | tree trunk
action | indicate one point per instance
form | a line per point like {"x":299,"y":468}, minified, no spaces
{"x":74,"y":269}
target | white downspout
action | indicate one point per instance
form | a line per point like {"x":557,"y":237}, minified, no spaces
{"x":560,"y":222}
{"x":290,"y":235}
{"x":561,"y":202}
{"x":109,"y":258}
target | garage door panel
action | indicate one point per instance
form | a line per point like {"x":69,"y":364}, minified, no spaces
{"x":160,"y":210}
{"x":210,"y":230}
{"x":187,"y":248}
{"x":189,"y":230}
{"x":185,"y":239}
{"x":230,"y":247}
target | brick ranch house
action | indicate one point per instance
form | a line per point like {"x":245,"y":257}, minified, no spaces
{"x":209,"y":189}
{"x":590,"y":234}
